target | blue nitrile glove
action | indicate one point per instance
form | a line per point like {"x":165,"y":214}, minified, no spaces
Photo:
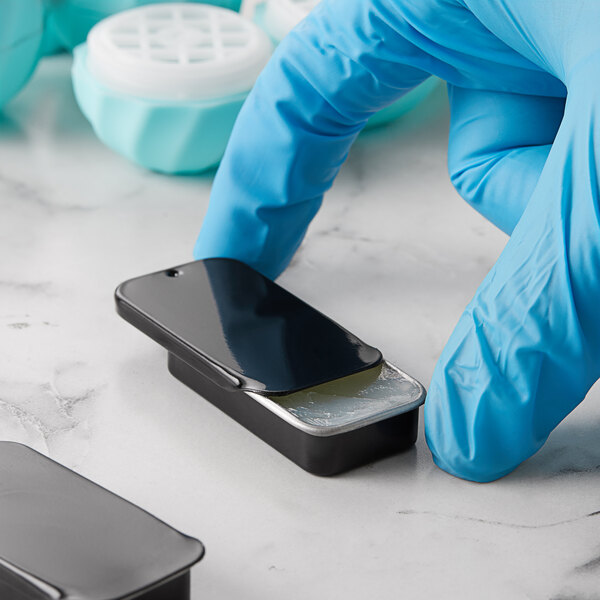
{"x":527,"y":348}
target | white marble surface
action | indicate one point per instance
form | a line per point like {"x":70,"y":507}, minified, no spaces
{"x":394,"y":256}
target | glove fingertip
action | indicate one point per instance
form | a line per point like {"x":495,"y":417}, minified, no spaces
{"x":461,"y":441}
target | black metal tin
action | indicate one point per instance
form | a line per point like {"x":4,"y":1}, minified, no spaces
{"x":320,"y":455}
{"x":64,"y":537}
{"x":243,"y":343}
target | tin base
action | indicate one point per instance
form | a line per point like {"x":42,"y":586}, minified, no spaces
{"x":320,"y":455}
{"x":176,"y":589}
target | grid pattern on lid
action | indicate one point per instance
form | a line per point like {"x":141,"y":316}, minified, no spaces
{"x":180,"y":34}
{"x":177,"y":51}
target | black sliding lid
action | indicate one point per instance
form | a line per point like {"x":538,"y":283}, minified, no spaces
{"x":250,"y":332}
{"x":64,"y":537}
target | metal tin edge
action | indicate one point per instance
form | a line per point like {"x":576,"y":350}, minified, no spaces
{"x":121,"y":301}
{"x":339,"y":429}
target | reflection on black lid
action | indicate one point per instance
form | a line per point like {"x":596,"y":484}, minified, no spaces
{"x":238,"y":319}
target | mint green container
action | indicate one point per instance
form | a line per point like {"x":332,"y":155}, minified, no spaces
{"x":73,"y":19}
{"x":162,"y":88}
{"x":21,"y":29}
{"x":169,"y":137}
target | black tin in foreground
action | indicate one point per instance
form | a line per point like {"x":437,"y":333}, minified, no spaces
{"x":64,"y":537}
{"x":303,"y":384}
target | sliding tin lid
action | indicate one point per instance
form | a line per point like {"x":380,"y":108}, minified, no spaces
{"x":235,"y":320}
{"x":62,"y":536}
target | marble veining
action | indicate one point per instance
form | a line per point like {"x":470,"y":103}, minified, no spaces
{"x":394,"y":255}
{"x":498,"y":523}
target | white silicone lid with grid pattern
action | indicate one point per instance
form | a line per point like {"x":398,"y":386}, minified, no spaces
{"x":180,"y":51}
{"x":281,"y":16}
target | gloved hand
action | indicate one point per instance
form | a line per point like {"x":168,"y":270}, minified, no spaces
{"x":527,"y":348}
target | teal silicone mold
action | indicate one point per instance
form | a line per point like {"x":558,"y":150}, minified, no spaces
{"x":51,"y":43}
{"x":73,"y":19}
{"x":169,"y":137}
{"x":21,"y":26}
